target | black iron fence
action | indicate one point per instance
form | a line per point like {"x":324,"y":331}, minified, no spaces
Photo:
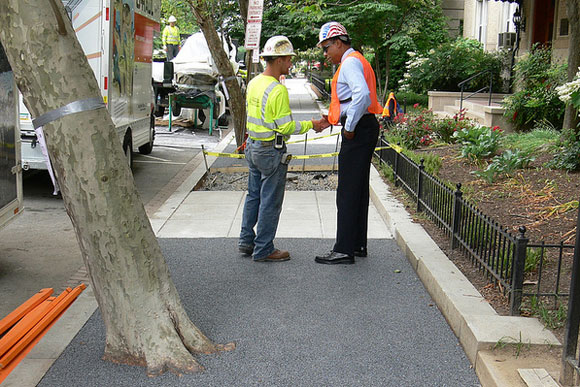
{"x":320,"y":83}
{"x":516,"y":265}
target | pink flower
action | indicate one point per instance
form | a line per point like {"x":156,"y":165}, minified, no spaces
{"x":416,"y":105}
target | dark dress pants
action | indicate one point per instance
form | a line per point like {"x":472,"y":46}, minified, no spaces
{"x":352,"y":195}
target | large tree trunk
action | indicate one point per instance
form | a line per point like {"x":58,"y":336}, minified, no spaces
{"x":237,"y":103}
{"x":145,"y":321}
{"x":573,"y":9}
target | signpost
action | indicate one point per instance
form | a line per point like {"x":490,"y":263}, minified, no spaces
{"x":253,"y":30}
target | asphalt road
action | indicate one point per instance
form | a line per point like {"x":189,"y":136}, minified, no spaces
{"x":39,"y":248}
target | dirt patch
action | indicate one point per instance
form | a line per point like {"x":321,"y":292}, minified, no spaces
{"x":238,"y":181}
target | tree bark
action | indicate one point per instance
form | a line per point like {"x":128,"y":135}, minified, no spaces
{"x":387,"y":71}
{"x":145,"y":321}
{"x":237,"y":103}
{"x":573,"y":9}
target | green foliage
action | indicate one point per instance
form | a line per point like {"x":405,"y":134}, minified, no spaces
{"x":478,"y":142}
{"x":413,"y":129}
{"x":446,"y":127}
{"x":539,"y":138}
{"x":536,"y":78}
{"x":432,"y":163}
{"x":444,"y":67}
{"x":568,"y":155}
{"x":505,"y":164}
{"x":411,"y":98}
{"x":552,"y":318}
{"x":533,"y":259}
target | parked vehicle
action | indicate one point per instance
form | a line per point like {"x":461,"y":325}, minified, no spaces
{"x":10,"y":171}
{"x":193,"y":80}
{"x":117,"y":38}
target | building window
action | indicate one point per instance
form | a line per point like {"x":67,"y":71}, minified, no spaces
{"x":563,"y":27}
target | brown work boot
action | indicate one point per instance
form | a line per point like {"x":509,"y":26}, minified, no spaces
{"x":276,"y":256}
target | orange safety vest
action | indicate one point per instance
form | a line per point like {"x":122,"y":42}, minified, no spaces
{"x":386,"y":112}
{"x":374,"y":108}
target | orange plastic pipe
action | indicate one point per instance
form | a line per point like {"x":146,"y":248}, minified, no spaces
{"x":62,"y":302}
{"x":23,"y":309}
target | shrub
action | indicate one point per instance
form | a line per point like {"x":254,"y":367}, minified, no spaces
{"x":413,"y":129}
{"x":446,"y":127}
{"x":568,"y":156}
{"x":443,"y":68}
{"x":410,"y":99}
{"x":478,"y":142}
{"x":537,"y":78}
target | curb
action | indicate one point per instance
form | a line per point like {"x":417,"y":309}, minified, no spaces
{"x":473,"y":320}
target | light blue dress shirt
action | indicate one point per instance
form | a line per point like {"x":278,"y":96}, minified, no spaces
{"x":351,"y":83}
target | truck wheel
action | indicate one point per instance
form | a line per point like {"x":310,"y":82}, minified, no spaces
{"x":128,"y":149}
{"x":175,"y":109}
{"x":145,"y":149}
{"x":159,"y":111}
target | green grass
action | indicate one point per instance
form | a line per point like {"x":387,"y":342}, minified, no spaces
{"x":533,"y":141}
{"x":552,"y":318}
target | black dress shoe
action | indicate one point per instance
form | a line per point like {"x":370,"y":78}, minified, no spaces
{"x":334,"y":258}
{"x":362,"y":252}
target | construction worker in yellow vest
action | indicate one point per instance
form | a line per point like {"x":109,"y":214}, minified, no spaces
{"x":269,"y":125}
{"x":171,"y":38}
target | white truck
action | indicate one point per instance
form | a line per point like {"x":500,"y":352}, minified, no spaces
{"x":117,"y":38}
{"x":10,"y":171}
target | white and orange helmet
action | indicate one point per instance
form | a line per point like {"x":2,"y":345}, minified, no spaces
{"x":331,"y":30}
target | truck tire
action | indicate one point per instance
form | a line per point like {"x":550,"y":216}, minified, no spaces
{"x":145,"y":149}
{"x":175,"y":109}
{"x":159,"y":111}
{"x":128,"y":148}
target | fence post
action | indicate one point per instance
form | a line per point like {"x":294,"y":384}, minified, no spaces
{"x":396,"y":168}
{"x":420,"y":184}
{"x":567,"y":372}
{"x":456,"y":215}
{"x":518,"y":272}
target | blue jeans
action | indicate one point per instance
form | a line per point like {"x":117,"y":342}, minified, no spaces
{"x":263,"y":205}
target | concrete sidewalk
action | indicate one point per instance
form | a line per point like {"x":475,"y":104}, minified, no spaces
{"x":198,"y":221}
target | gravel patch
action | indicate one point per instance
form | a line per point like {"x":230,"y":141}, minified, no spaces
{"x":238,"y":181}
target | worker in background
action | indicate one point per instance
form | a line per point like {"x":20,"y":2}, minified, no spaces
{"x":269,"y":125}
{"x":171,"y":38}
{"x":391,"y":109}
{"x":353,"y":103}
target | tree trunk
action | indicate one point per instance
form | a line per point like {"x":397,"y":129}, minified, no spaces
{"x":237,"y":103}
{"x":573,"y":9}
{"x":145,"y":321}
{"x":387,"y":71}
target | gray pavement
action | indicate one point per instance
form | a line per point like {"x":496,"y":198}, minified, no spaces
{"x":294,"y":324}
{"x":299,"y":323}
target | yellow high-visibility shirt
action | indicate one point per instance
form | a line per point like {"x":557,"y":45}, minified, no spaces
{"x":171,"y":35}
{"x":268,"y":109}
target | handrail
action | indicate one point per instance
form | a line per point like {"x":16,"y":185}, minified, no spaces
{"x":462,"y":84}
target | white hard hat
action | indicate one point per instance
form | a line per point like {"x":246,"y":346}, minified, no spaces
{"x":172,"y":19}
{"x":331,"y":30}
{"x":278,"y":46}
